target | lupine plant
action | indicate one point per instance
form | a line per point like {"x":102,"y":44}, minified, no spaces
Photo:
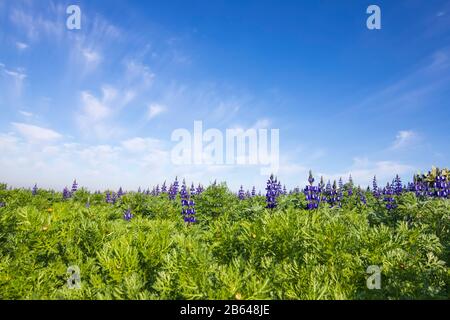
{"x":66,"y":193}
{"x":241,"y":193}
{"x":312,"y":193}
{"x":127,"y":215}
{"x":74,"y":186}
{"x":271,"y":193}
{"x":187,"y":205}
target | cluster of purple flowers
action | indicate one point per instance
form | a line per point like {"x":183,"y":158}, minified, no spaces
{"x":74,"y":186}
{"x":241,"y":193}
{"x":273,"y":190}
{"x":35,"y":190}
{"x":388,"y":193}
{"x":2,"y":204}
{"x":164,"y":188}
{"x":173,"y":189}
{"x":200,"y":189}
{"x":332,"y":194}
{"x":312,"y":193}
{"x":66,"y":193}
{"x":127,"y":215}
{"x":111,"y":197}
{"x":441,"y":187}
{"x":375,"y":190}
{"x":187,"y":205}
{"x":120,"y":193}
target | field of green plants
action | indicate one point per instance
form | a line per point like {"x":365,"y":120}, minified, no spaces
{"x":238,"y":247}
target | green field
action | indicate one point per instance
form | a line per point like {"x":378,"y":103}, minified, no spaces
{"x":237,"y":249}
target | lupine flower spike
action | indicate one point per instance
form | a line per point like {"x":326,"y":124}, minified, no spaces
{"x":74,"y":186}
{"x":128,"y":215}
{"x":241,"y":193}
{"x":271,"y":193}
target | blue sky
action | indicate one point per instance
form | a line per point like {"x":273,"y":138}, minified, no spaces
{"x":99,"y":104}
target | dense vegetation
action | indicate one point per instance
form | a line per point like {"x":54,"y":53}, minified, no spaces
{"x":237,"y":247}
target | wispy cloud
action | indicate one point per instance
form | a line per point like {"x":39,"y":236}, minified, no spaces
{"x":21,"y":45}
{"x":96,"y":115}
{"x":18,"y":75}
{"x":405,"y":139}
{"x":154,"y":110}
{"x":136,"y":70}
{"x":35,"y":133}
{"x":25,"y":113}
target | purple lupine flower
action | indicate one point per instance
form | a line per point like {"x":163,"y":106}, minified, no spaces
{"x":66,"y":193}
{"x":375,"y":191}
{"x":139,"y":190}
{"x":120,"y":193}
{"x":114,"y":197}
{"x":310,"y":178}
{"x":441,"y":187}
{"x":389,"y":197}
{"x":199,"y":189}
{"x":312,"y":194}
{"x":271,"y":194}
{"x":397,"y":185}
{"x":164,"y":188}
{"x":350,"y":186}
{"x":108,"y":197}
{"x":128,"y":215}
{"x":74,"y":186}
{"x":147,"y":192}
{"x":173,"y":190}
{"x":187,"y":205}
{"x":259,"y":193}
{"x":241,"y":193}
{"x":341,"y":184}
{"x":192,"y":189}
{"x":157,"y":191}
{"x":362,"y":196}
{"x":35,"y":190}
{"x":248,"y":194}
{"x":253,"y":191}
{"x":284,"y":190}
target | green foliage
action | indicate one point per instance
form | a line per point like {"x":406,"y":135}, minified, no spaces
{"x":237,"y":250}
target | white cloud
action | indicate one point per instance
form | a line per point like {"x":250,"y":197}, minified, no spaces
{"x":19,"y":74}
{"x":21,"y":45}
{"x":404,"y":139}
{"x":96,"y":117}
{"x":35,"y":133}
{"x":93,"y":108}
{"x":154,"y":110}
{"x":139,"y":72}
{"x":91,"y":57}
{"x":25,"y":113}
{"x":139,"y":144}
